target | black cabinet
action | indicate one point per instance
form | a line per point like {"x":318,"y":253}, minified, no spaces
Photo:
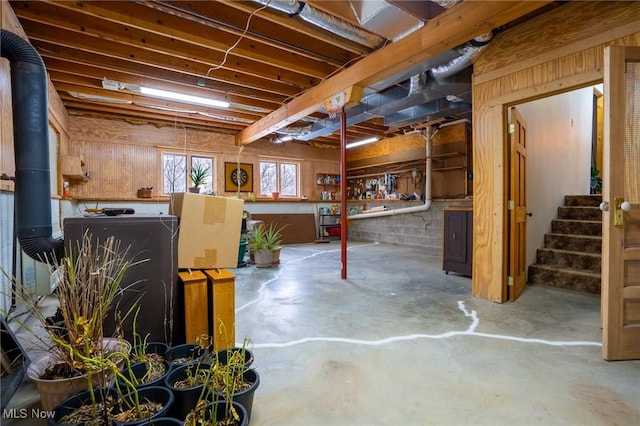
{"x":458,"y":240}
{"x":152,"y":240}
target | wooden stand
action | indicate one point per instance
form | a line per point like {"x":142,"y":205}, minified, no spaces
{"x":196,"y":318}
{"x":222,"y":316}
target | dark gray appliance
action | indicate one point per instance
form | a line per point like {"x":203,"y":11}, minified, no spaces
{"x":153,"y":282}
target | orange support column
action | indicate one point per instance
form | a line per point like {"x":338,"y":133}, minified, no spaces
{"x":196,"y":311}
{"x":224,"y":308}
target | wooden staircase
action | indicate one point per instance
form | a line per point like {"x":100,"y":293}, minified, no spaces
{"x":571,"y":256}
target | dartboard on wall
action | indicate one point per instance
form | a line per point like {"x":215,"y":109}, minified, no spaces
{"x":238,"y":176}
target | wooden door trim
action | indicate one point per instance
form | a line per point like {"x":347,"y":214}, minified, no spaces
{"x":498,"y":117}
{"x":617,"y":340}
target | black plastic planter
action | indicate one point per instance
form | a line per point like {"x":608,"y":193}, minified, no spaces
{"x":245,"y":397}
{"x":158,"y":394}
{"x":206,"y":411}
{"x":223,"y":355}
{"x":159,"y":348}
{"x":164,"y":421}
{"x":185,"y":399}
{"x":76,"y":401}
{"x":184,"y":354}
{"x":136,"y":372}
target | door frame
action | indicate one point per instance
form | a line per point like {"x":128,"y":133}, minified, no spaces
{"x":500,"y":118}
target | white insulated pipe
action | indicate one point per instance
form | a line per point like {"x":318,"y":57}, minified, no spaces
{"x":427,"y":190}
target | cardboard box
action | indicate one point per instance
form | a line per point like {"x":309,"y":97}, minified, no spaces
{"x":209,"y":231}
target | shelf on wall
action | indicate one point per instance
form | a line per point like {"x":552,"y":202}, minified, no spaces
{"x":73,"y":168}
{"x":446,"y":155}
{"x":444,"y":169}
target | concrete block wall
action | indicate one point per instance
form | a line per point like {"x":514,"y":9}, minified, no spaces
{"x":422,"y":229}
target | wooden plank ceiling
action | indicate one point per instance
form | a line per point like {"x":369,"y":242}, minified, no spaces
{"x":248,"y":53}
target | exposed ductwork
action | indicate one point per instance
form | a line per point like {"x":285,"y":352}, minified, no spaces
{"x":408,"y":103}
{"x":325,"y":21}
{"x":417,"y":83}
{"x":393,"y":99}
{"x":32,"y":195}
{"x":468,"y":52}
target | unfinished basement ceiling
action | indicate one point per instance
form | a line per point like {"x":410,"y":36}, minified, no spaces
{"x":257,"y":55}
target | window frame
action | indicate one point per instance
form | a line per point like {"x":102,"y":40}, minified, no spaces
{"x":188,"y":163}
{"x":279,"y":163}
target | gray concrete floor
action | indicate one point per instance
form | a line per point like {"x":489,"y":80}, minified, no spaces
{"x":401,"y":343}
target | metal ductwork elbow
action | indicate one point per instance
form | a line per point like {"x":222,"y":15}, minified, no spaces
{"x":324,"y":21}
{"x":468,"y":52}
{"x":29,"y":97}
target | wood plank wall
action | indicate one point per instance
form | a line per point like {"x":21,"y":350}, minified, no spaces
{"x":122,"y":157}
{"x":58,"y":117}
{"x":559,"y":51}
{"x":411,"y":148}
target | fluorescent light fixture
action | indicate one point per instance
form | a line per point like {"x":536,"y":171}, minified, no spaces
{"x":362,"y":142}
{"x":176,"y":96}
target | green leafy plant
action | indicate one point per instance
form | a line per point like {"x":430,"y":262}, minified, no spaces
{"x":89,"y":282}
{"x":596,"y":181}
{"x":273,"y":236}
{"x":199,"y":174}
{"x":221,"y":379}
{"x":258,"y":238}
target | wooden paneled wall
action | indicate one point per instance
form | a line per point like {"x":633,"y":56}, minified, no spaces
{"x":412,"y":148}
{"x":556,"y":52}
{"x":385,"y":147}
{"x":413,"y":142}
{"x":122,"y":157}
{"x":58,"y":116}
{"x":7,"y":163}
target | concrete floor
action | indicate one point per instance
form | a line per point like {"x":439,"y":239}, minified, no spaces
{"x":402,"y":343}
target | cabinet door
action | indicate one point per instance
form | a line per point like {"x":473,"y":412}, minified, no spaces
{"x":455,"y":243}
{"x":469,"y":238}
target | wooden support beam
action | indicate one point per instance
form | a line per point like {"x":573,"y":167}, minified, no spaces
{"x":450,"y":29}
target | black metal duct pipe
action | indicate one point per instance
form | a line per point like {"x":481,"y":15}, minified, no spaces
{"x":32,"y":196}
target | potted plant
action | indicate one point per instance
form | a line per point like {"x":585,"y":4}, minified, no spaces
{"x":596,"y":181}
{"x":187,"y":383}
{"x":141,"y":406}
{"x":219,"y":412}
{"x":273,"y":237}
{"x":78,"y":354}
{"x":147,"y":364}
{"x":232,"y":380}
{"x":228,"y":390}
{"x":262,"y":255}
{"x":91,"y":405}
{"x":199,"y":174}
